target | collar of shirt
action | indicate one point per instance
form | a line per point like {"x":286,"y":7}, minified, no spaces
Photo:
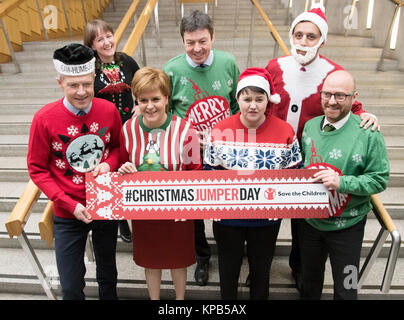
{"x":337,"y":125}
{"x":73,"y":109}
{"x":208,"y":61}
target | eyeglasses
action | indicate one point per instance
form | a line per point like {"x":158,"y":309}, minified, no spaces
{"x":339,"y":96}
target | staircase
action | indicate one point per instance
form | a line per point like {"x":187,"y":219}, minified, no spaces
{"x":382,"y":93}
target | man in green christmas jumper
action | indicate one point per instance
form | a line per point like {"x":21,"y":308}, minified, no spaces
{"x":203,"y":91}
{"x":355,"y":165}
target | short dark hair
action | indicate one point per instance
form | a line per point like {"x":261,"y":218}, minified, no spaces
{"x":196,"y":20}
{"x":253,"y":89}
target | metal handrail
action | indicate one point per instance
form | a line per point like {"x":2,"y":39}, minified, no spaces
{"x":399,"y":4}
{"x":387,"y":227}
{"x":139,"y":28}
{"x":274,"y":32}
{"x":15,"y":227}
{"x":125,"y":21}
{"x":351,"y":14}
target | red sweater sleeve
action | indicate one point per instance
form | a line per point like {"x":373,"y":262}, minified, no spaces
{"x":38,"y":166}
{"x":357,"y":108}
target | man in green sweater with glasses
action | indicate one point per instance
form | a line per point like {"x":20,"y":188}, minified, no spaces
{"x":354,"y":165}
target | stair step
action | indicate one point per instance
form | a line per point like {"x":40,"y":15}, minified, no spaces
{"x":20,"y":277}
{"x":235,"y":46}
{"x":381,"y":93}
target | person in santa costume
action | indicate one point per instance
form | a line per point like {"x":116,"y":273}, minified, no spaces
{"x":298,"y":79}
{"x":69,"y":137}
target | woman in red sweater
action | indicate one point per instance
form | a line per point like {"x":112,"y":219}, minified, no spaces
{"x":250,"y":140}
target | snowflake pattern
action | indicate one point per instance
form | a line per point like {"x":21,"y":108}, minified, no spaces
{"x":72,"y":130}
{"x":340,"y":222}
{"x":94,"y":127}
{"x":216,"y":85}
{"x":357,"y":158}
{"x":210,"y":152}
{"x":183,"y":80}
{"x":237,"y":158}
{"x":57,"y":146}
{"x":354,"y":212}
{"x":265,"y":159}
{"x":335,"y":154}
{"x":108,"y":137}
{"x":184,"y":100}
{"x":253,"y":158}
{"x":230,"y":83}
{"x":60,"y":164}
{"x":295,"y":154}
{"x":77,"y":179}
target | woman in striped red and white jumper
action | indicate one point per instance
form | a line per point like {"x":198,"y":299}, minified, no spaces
{"x":157,"y":140}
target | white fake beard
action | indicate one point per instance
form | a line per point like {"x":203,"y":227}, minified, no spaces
{"x":311,"y":52}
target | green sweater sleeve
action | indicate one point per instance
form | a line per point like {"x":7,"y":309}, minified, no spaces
{"x":375,"y":176}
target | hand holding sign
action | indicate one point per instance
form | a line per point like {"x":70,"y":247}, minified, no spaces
{"x":328,"y":177}
{"x":127,"y":168}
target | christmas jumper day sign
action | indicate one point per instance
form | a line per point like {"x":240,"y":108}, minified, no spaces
{"x":223,"y":194}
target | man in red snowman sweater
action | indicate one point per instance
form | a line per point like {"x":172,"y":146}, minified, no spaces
{"x":69,"y":137}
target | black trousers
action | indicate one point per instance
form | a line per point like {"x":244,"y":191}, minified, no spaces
{"x":260,"y":251}
{"x":70,"y":241}
{"x":343,"y":247}
{"x":294,"y":256}
{"x":202,"y":248}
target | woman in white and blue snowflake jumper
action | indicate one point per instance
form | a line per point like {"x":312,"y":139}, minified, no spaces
{"x":250,"y":140}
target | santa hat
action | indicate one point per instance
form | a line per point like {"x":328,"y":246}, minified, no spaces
{"x":74,"y":60}
{"x":316,"y":16}
{"x":258,"y":77}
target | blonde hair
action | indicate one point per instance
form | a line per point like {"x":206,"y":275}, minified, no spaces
{"x":149,"y":79}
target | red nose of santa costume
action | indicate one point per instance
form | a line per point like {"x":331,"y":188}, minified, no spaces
{"x":258,"y":77}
